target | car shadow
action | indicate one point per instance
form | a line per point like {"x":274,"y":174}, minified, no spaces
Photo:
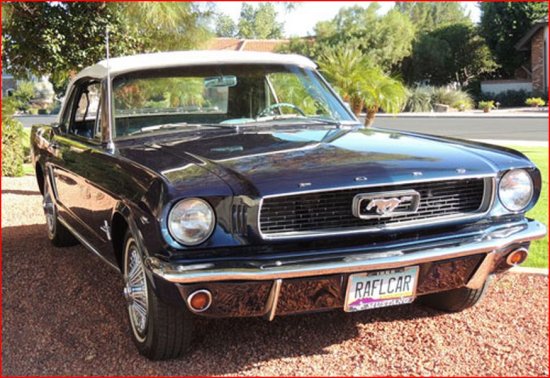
{"x":64,"y":308}
{"x":21,"y":192}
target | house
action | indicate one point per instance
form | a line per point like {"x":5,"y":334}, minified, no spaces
{"x":536,"y":41}
{"x":532,"y":77}
{"x":9,"y":84}
{"x":243,"y":44}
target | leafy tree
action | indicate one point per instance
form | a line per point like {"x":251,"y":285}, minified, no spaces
{"x":385,"y":40}
{"x":259,"y":22}
{"x":427,"y":16}
{"x":225,"y":26}
{"x":453,"y":53}
{"x":165,"y":26}
{"x":62,"y":38}
{"x":503,"y":24}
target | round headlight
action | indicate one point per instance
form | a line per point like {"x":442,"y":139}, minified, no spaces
{"x":516,"y":190}
{"x":191,"y":221}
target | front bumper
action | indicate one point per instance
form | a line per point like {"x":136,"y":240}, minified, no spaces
{"x":490,"y":246}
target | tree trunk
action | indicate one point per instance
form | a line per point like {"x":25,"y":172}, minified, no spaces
{"x":371,"y":115}
{"x":357,"y":106}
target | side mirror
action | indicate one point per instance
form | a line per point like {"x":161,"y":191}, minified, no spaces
{"x":59,"y":128}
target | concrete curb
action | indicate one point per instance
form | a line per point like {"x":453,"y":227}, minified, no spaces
{"x":491,"y":115}
{"x":526,"y":270}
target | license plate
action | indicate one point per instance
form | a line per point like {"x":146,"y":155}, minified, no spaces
{"x":381,"y":289}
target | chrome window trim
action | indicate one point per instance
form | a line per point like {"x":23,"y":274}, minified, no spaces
{"x":487,"y":202}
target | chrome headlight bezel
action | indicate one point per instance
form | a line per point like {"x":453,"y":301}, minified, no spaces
{"x":506,"y":199}
{"x":178,"y":235}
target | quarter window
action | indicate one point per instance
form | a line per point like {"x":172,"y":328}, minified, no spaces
{"x":86,"y":110}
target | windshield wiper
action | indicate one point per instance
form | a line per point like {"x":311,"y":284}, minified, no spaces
{"x":325,"y":121}
{"x":148,"y":129}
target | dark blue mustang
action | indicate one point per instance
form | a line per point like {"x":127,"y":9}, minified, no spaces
{"x":239,"y":184}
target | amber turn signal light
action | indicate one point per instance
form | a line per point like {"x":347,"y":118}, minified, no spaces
{"x":517,"y":257}
{"x":199,"y":300}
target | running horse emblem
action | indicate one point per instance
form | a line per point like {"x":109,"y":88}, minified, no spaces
{"x":386,"y":206}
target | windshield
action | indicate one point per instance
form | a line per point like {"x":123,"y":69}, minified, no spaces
{"x":227,"y":95}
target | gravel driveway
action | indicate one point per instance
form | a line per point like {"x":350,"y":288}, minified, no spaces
{"x":63,"y":313}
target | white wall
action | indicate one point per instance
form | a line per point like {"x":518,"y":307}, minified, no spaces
{"x":498,"y":86}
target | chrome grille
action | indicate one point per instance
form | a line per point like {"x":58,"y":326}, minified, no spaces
{"x":331,"y":211}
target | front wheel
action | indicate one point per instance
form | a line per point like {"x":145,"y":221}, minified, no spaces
{"x":160,"y":331}
{"x":455,"y":300}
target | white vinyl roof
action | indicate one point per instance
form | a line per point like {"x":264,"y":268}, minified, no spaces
{"x":189,"y":58}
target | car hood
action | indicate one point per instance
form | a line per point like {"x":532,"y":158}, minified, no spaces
{"x":263,"y":162}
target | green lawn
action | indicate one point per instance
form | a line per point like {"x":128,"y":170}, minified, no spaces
{"x":538,"y":253}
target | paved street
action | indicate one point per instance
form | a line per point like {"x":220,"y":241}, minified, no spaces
{"x":29,"y":120}
{"x":525,"y":129}
{"x":505,"y":128}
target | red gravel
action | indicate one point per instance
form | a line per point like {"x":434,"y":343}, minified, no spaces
{"x":64,"y":314}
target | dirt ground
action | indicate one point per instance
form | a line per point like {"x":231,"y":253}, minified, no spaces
{"x":63,"y":313}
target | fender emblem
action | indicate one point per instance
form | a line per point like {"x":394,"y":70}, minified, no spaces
{"x":106,"y":229}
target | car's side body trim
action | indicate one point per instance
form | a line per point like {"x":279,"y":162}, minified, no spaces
{"x":86,"y":243}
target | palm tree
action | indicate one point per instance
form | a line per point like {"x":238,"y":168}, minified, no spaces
{"x":344,"y":69}
{"x":361,"y":83}
{"x":380,"y":91}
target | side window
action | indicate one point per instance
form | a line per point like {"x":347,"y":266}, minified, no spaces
{"x":86,"y":106}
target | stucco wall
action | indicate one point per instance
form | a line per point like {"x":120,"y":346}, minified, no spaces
{"x":498,"y":86}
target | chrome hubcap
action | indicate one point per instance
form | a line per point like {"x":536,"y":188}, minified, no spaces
{"x":49,"y":209}
{"x":135,"y":292}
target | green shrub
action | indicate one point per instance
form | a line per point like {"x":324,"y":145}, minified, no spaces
{"x":535,"y":101}
{"x":453,"y":97}
{"x":486,"y":104}
{"x":419,"y":99}
{"x":512,"y":98}
{"x":23,"y":95}
{"x":26,"y":144}
{"x":12,"y":148}
{"x":9,"y":106}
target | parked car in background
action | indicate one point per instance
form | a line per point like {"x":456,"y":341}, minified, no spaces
{"x":233,"y":184}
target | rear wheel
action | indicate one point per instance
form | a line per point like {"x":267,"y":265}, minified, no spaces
{"x":160,"y":331}
{"x":58,"y":234}
{"x":455,"y":300}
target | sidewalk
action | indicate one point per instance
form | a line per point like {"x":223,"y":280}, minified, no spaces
{"x":506,"y":143}
{"x":525,"y":112}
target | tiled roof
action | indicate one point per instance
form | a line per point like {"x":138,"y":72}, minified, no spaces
{"x":525,"y":42}
{"x":236,"y":44}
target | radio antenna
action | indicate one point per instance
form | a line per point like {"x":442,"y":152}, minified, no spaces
{"x":110,"y":144}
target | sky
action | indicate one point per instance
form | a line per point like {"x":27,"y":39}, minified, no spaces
{"x":300,"y":21}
